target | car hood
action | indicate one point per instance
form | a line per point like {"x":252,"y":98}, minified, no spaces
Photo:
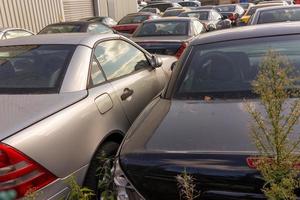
{"x":193,"y":126}
{"x":20,"y":111}
{"x":162,"y":39}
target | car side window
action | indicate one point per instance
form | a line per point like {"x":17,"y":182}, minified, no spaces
{"x":16,"y":33}
{"x":96,"y":75}
{"x":98,"y":28}
{"x":119,"y":58}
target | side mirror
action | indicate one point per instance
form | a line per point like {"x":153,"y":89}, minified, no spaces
{"x":173,"y":65}
{"x":156,"y":61}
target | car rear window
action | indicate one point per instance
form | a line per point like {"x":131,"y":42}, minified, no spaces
{"x":279,"y":15}
{"x":164,"y":28}
{"x":227,"y":8}
{"x":188,"y":4}
{"x":201,"y":15}
{"x":33,"y":68}
{"x":172,"y":13}
{"x":60,"y":29}
{"x":227,"y":69}
{"x":133,"y":19}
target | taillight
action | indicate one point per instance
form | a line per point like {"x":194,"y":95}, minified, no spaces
{"x":232,"y":16}
{"x":181,"y":49}
{"x":19,"y":173}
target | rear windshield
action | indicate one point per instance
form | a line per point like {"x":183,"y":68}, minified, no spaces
{"x":133,"y":19}
{"x":167,"y":28}
{"x":244,"y":5}
{"x":188,"y":4}
{"x":252,"y":9}
{"x":60,"y":29}
{"x":172,"y":13}
{"x":201,"y":15}
{"x":282,"y":15}
{"x":227,"y":69}
{"x":33,"y":68}
{"x":227,"y":8}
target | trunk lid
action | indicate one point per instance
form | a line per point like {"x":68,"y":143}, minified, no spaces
{"x":162,"y":45}
{"x":210,"y":140}
{"x":20,"y":111}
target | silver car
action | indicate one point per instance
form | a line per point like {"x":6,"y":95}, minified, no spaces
{"x":9,"y":33}
{"x":63,"y":101}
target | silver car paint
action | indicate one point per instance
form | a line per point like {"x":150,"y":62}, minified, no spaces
{"x":68,"y":134}
{"x":19,"y":111}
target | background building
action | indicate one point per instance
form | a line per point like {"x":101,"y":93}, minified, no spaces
{"x":36,"y":14}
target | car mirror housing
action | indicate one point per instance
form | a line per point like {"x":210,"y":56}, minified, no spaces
{"x":156,"y":61}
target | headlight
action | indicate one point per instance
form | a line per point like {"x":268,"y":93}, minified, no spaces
{"x":124,"y":189}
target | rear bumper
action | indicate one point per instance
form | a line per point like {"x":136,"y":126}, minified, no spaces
{"x":59,"y":189}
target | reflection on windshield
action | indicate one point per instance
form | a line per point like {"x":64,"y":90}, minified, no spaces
{"x":33,"y":68}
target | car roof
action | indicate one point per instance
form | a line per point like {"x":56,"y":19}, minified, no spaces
{"x":267,"y":4}
{"x":140,"y":13}
{"x":85,"y":39}
{"x":278,"y":8}
{"x":247,"y":32}
{"x":3,"y":29}
{"x":73,"y":23}
{"x":202,"y":10}
{"x":170,"y":19}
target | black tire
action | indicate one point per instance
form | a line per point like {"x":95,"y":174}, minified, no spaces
{"x":91,"y":180}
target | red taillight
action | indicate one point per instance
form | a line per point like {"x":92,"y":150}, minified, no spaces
{"x":232,"y":16}
{"x":181,"y":49}
{"x":19,"y":173}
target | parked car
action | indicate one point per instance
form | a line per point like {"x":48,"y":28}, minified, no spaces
{"x":163,"y":6}
{"x":190,"y":4}
{"x":246,"y":17}
{"x":174,"y":12}
{"x":245,"y":6}
{"x":152,"y":10}
{"x":210,"y":18}
{"x":65,"y":100}
{"x":130,"y":22}
{"x":77,"y":27}
{"x":231,"y":11}
{"x":9,"y":33}
{"x":199,"y":124}
{"x":104,"y":20}
{"x":285,"y":3}
{"x":167,"y":36}
{"x":275,"y":14}
{"x":207,"y":7}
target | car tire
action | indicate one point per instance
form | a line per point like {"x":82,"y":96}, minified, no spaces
{"x":110,"y":149}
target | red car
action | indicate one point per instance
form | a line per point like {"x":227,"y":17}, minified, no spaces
{"x":130,"y":22}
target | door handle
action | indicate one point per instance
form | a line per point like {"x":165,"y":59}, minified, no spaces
{"x":126,"y":93}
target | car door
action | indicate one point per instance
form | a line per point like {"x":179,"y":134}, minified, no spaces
{"x":128,"y":70}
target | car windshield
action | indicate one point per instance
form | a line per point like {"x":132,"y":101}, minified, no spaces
{"x":188,"y":4}
{"x":33,"y":68}
{"x":161,"y":6}
{"x":201,"y":15}
{"x":227,"y":69}
{"x":133,"y":19}
{"x":62,"y":28}
{"x":227,"y":8}
{"x":172,"y":13}
{"x":163,"y":28}
{"x":279,"y":15}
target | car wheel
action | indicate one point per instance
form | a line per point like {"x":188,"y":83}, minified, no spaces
{"x":109,"y":149}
